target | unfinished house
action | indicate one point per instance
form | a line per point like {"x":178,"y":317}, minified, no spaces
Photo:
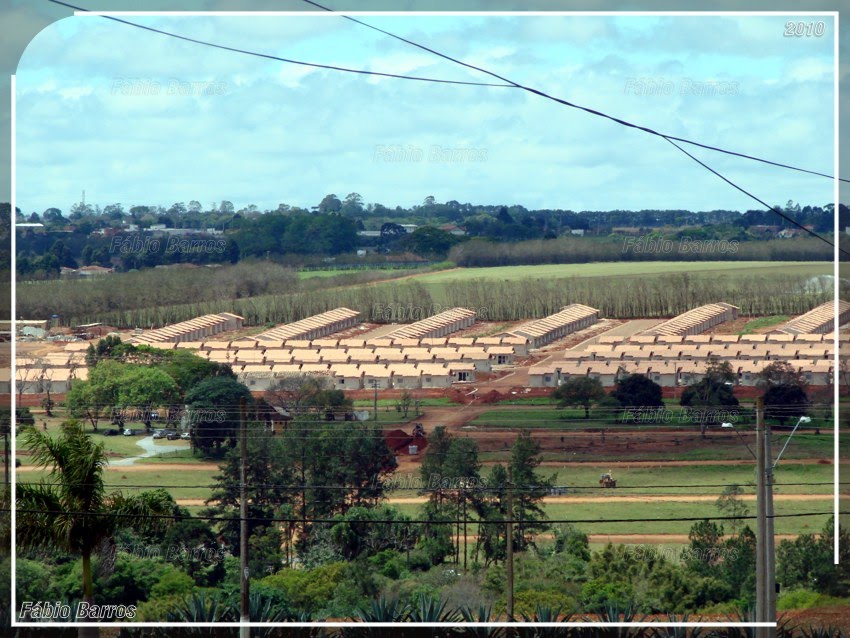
{"x":439,"y":325}
{"x":695,"y":321}
{"x":315,"y":327}
{"x":818,"y":320}
{"x":198,"y":329}
{"x":569,"y":319}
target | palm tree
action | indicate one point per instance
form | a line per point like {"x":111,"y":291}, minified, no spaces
{"x":71,"y":509}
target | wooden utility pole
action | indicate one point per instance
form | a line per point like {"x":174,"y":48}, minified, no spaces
{"x":770,"y":550}
{"x":465,"y":549}
{"x":245,"y":616}
{"x":509,"y":547}
{"x":6,"y":431}
{"x":761,"y":526}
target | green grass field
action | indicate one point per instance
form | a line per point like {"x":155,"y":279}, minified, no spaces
{"x":323,"y":274}
{"x":594,"y":518}
{"x":627,"y":269}
{"x":763,"y":322}
{"x":582,"y":480}
{"x":699,"y":480}
{"x":310,"y":274}
{"x":183,"y":484}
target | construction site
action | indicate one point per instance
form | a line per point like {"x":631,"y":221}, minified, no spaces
{"x":450,"y":350}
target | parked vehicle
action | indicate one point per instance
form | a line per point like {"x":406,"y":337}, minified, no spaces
{"x":186,"y":436}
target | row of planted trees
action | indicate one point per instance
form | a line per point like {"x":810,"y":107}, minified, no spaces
{"x":660,"y":295}
{"x":571,"y":250}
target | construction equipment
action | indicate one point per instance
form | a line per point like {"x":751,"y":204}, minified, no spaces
{"x":607,"y":480}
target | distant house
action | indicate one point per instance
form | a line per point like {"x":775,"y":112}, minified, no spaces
{"x":453,"y":229}
{"x":274,"y":417}
{"x":577,"y":231}
{"x":94,"y":271}
{"x":764,"y":230}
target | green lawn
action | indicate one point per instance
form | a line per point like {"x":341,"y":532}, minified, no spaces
{"x":177,"y":456}
{"x":595,"y":517}
{"x":115,"y":446}
{"x":705,"y":479}
{"x":584,"y":480}
{"x":619,"y":269}
{"x":763,"y":322}
{"x":194,"y":484}
{"x":128,"y":445}
{"x":311,"y":274}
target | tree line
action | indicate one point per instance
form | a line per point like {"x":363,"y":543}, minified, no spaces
{"x":268,"y":295}
{"x":332,"y":228}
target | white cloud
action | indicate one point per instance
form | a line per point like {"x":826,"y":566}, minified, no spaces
{"x":97,"y":109}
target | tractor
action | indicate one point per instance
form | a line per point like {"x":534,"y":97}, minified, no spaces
{"x":607,"y":480}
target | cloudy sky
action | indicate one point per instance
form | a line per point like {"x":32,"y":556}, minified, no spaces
{"x":134,"y":117}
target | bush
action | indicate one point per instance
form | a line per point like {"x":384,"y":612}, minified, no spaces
{"x":307,"y":589}
{"x":34,"y":580}
{"x":527,"y":601}
{"x":418,"y":561}
{"x":173,"y":583}
{"x":805,"y":599}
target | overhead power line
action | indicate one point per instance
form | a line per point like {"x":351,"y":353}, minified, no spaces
{"x":393,"y":488}
{"x":571,"y":104}
{"x":670,"y":138}
{"x":508,"y":84}
{"x":390,"y":521}
{"x":268,"y":56}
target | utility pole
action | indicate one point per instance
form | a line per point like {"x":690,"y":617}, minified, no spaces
{"x":6,"y":431}
{"x":509,"y":547}
{"x":245,"y":616}
{"x":770,"y":581}
{"x":375,"y":387}
{"x":465,"y":550}
{"x":761,"y":525}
